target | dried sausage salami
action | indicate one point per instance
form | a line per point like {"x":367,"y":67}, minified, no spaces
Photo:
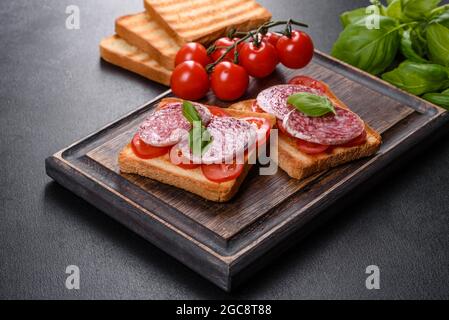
{"x":230,"y":138}
{"x":167,"y":126}
{"x":274,"y":100}
{"x":331,"y":129}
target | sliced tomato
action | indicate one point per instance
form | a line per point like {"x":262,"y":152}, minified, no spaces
{"x":218,"y":112}
{"x":310,"y":82}
{"x":185,"y":163}
{"x":255,"y":108}
{"x":282,"y":129}
{"x":188,"y":166}
{"x":310,"y":147}
{"x":263,"y":128}
{"x":222,"y":172}
{"x":146,"y":151}
{"x":356,"y":142}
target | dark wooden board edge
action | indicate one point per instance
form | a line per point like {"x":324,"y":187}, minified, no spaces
{"x":176,"y":243}
{"x":277,"y":240}
{"x":224,"y":271}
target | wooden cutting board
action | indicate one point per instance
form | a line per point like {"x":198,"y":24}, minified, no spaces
{"x":226,"y":243}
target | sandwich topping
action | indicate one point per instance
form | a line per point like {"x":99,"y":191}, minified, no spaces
{"x":274,"y":100}
{"x":330,"y":129}
{"x":316,"y":127}
{"x":230,"y":138}
{"x":171,"y":130}
{"x":167,"y":126}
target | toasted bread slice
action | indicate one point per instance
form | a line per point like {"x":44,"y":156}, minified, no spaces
{"x":300,"y":165}
{"x":206,"y":20}
{"x":162,"y":170}
{"x":145,"y":33}
{"x":119,"y":52}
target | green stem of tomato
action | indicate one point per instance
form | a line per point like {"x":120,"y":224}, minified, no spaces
{"x":246,"y":35}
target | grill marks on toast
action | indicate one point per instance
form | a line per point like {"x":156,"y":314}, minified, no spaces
{"x":147,"y":43}
{"x":146,"y":33}
{"x":193,"y":20}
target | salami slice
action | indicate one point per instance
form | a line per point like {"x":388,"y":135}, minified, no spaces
{"x":332,"y":129}
{"x":274,"y":100}
{"x":167,"y":126}
{"x":230,"y":138}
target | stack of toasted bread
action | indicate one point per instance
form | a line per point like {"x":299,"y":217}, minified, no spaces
{"x":146,"y":43}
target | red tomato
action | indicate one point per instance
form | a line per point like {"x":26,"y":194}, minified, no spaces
{"x":221,"y":45}
{"x":146,"y":151}
{"x":190,"y":81}
{"x":310,"y":147}
{"x":188,"y":166}
{"x":179,"y":160}
{"x":295,"y":52}
{"x":193,"y":51}
{"x":218,"y":112}
{"x":309,"y":82}
{"x":272,"y":38}
{"x":222,"y":172}
{"x":263,"y":126}
{"x":282,"y":129}
{"x":259,"y":61}
{"x":229,"y":81}
{"x":255,"y":108}
{"x":356,"y":142}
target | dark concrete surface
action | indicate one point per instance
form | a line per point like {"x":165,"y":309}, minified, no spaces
{"x":54,"y":90}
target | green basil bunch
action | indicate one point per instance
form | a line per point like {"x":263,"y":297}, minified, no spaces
{"x":410,"y":47}
{"x":438,"y":39}
{"x":418,"y":78}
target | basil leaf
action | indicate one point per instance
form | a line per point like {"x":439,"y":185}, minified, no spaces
{"x":350,"y":17}
{"x":438,"y":11}
{"x":418,"y":38}
{"x":372,"y":50}
{"x":394,"y":10}
{"x":415,"y":10}
{"x":189,"y":112}
{"x":311,"y":105}
{"x":418,"y":78}
{"x":439,"y":99}
{"x":438,"y":39}
{"x":199,"y":139}
{"x":408,"y":50}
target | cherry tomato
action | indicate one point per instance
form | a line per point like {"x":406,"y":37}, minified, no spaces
{"x":190,"y":81}
{"x":217,"y":111}
{"x":272,"y":38}
{"x":221,"y":45}
{"x":229,"y":81}
{"x":310,"y":82}
{"x":222,"y":172}
{"x":146,"y":151}
{"x":356,"y":142}
{"x":193,"y":51}
{"x":295,"y":52}
{"x":259,"y":61}
{"x":310,"y":147}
